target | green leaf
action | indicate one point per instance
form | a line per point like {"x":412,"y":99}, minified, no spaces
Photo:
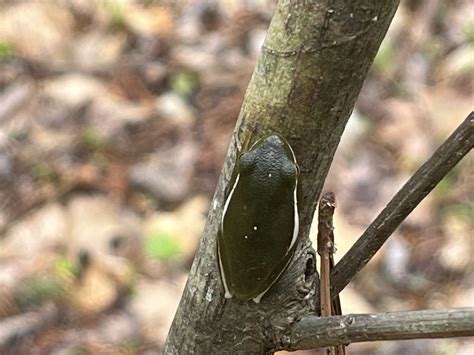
{"x":38,"y":290}
{"x":64,"y":268}
{"x":162,"y":246}
{"x":91,"y":138}
{"x":7,"y":50}
{"x":184,"y":83}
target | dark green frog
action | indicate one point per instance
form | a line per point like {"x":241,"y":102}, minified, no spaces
{"x":260,"y":221}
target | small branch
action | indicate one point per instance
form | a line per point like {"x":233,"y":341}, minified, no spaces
{"x":412,"y":193}
{"x":327,"y":204}
{"x":315,"y":332}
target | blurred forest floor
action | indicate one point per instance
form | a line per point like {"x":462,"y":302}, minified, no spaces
{"x":114,"y":122}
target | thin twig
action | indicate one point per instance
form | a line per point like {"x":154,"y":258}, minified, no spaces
{"x":315,"y":332}
{"x":459,"y":143}
{"x":327,"y":205}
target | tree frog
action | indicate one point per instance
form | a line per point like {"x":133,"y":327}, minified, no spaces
{"x":260,"y":222}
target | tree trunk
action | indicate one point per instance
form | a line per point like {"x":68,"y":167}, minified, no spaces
{"x":309,"y":73}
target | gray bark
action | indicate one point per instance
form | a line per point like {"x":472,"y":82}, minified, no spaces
{"x":314,"y":60}
{"x":314,"y":332}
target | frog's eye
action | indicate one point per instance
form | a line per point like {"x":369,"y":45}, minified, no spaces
{"x":289,"y":171}
{"x":246,"y":162}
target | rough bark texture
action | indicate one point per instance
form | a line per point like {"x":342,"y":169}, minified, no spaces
{"x":313,"y":332}
{"x":314,"y":60}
